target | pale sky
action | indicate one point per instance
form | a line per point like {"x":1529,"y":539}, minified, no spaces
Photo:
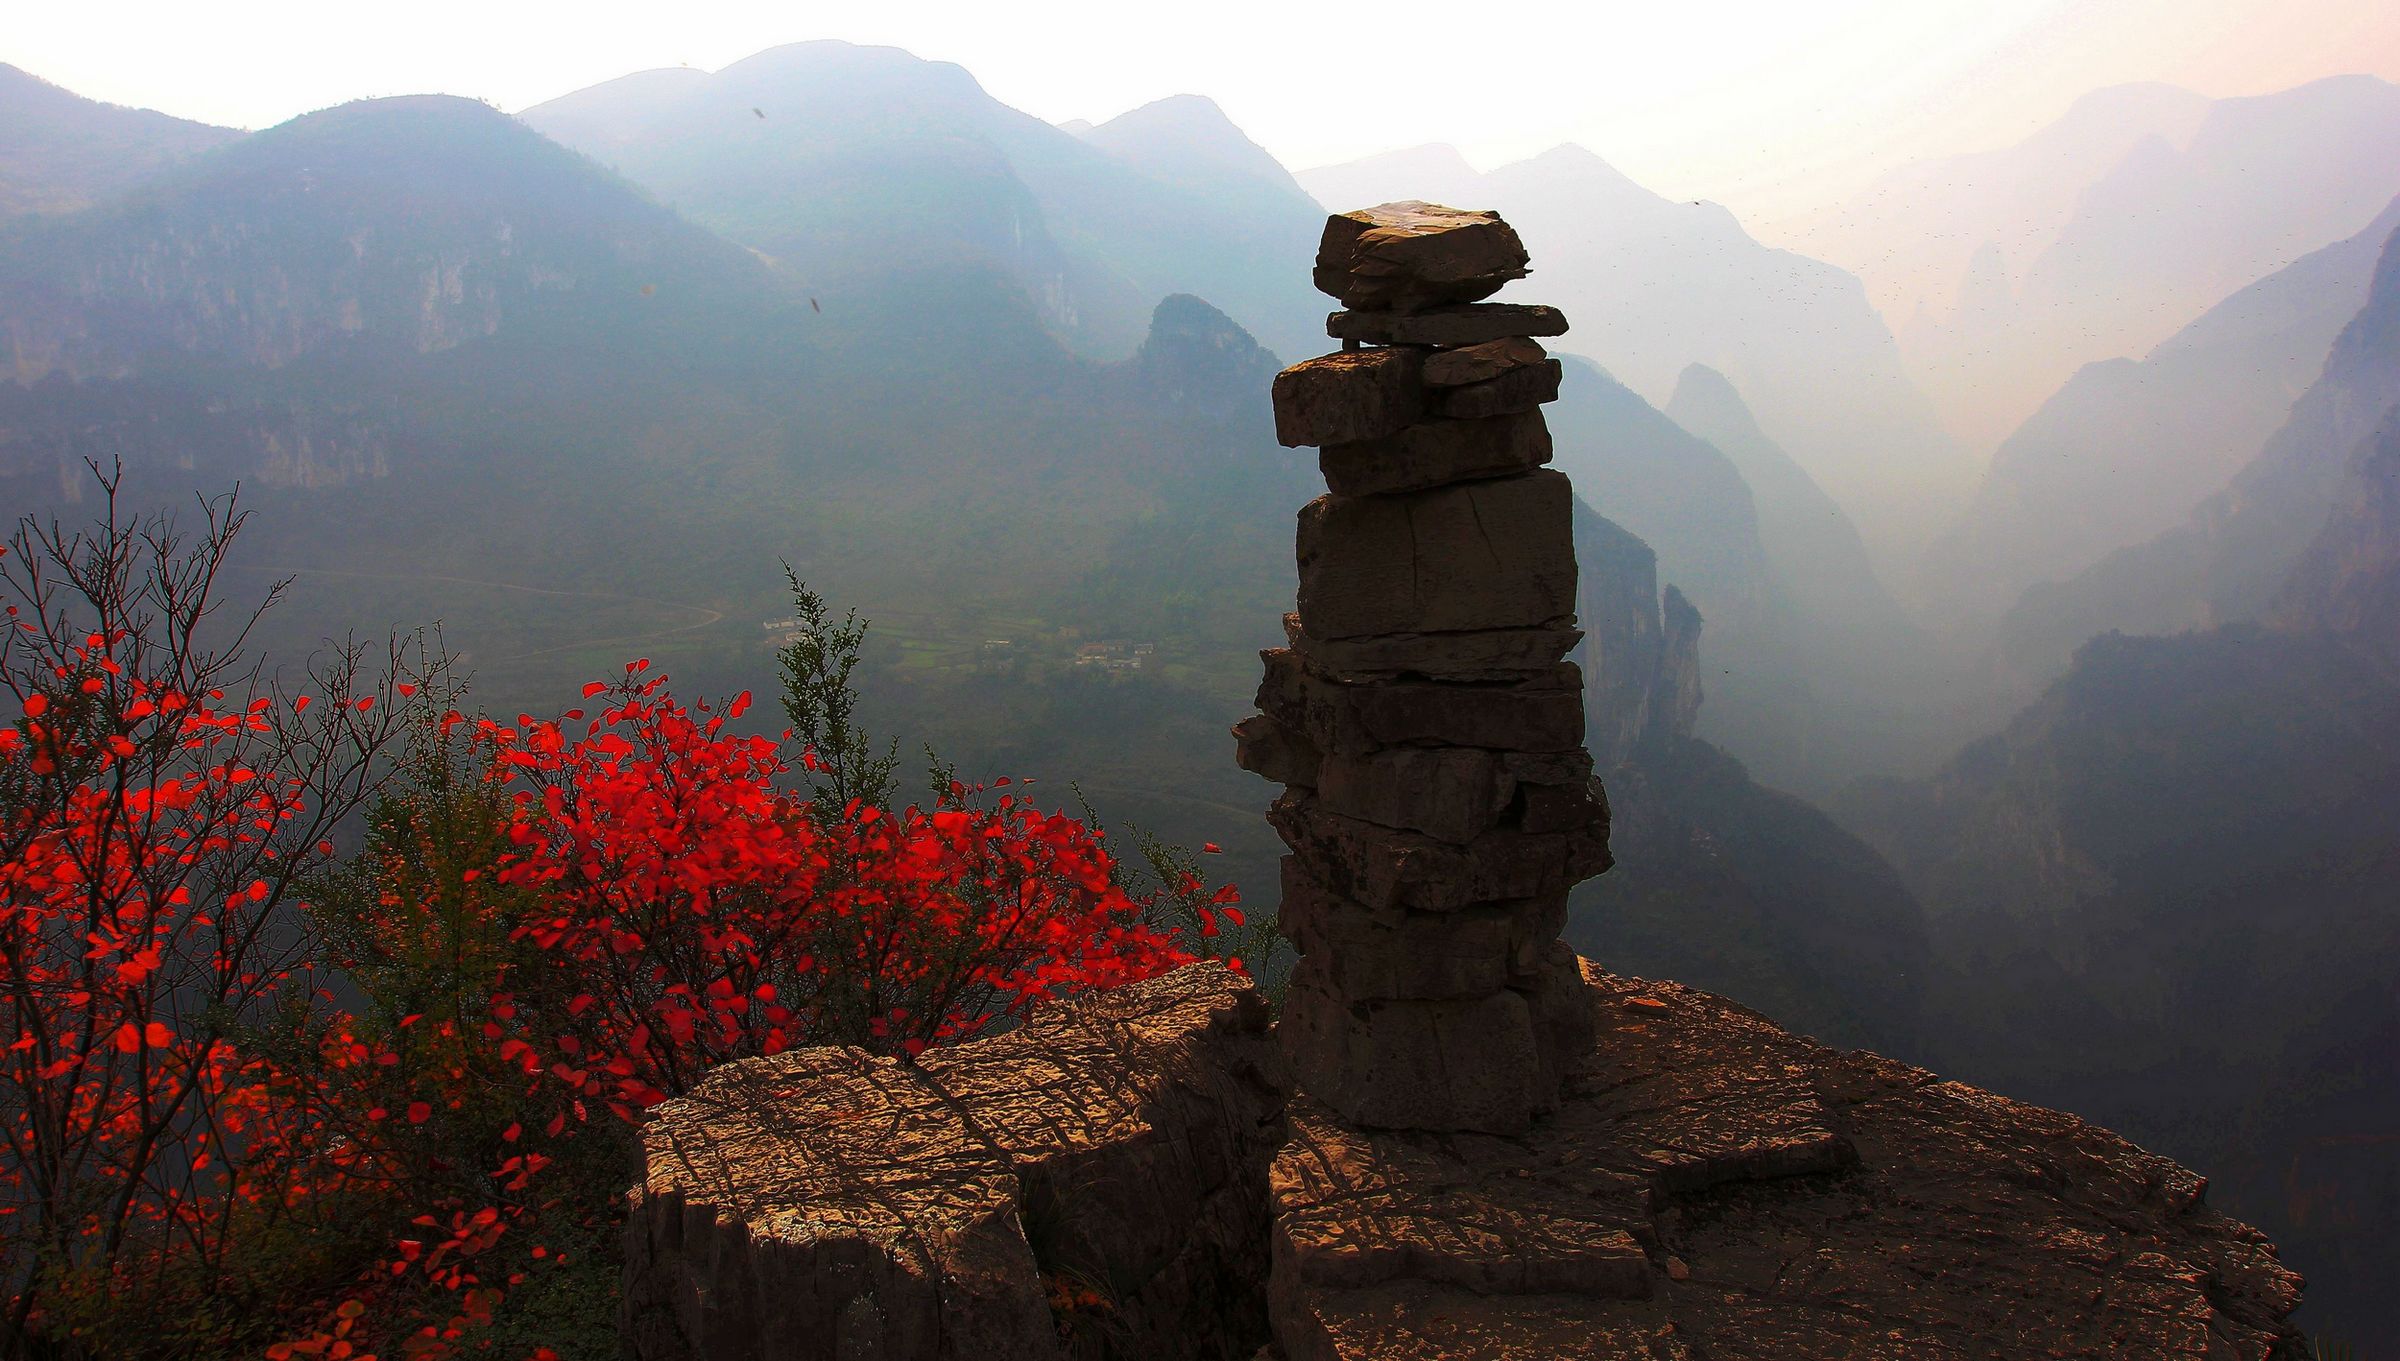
{"x":1769,"y":106}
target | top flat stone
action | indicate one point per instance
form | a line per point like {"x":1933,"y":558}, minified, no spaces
{"x":1410,"y":256}
{"x":1460,"y":324}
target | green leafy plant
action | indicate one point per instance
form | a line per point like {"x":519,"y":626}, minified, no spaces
{"x":820,"y":698}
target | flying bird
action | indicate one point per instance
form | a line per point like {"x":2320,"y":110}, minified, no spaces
{"x":759,"y":111}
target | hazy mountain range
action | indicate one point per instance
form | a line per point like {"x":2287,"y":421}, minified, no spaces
{"x":2230,"y":556}
{"x":2104,"y":233}
{"x":846,"y":163}
{"x":2129,"y":447}
{"x":60,"y":152}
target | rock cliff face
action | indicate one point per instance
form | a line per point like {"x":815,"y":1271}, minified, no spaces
{"x":2348,"y":582}
{"x":400,"y":226}
{"x":1719,"y":880}
{"x":2229,"y":560}
{"x":1631,"y":674}
{"x":2128,"y":448}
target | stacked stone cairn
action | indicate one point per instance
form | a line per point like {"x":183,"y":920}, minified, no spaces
{"x":1439,"y":802}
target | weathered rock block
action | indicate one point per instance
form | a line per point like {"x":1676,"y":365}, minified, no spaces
{"x":1457,"y":794}
{"x":1452,"y":794}
{"x":1435,"y":453}
{"x":1490,"y":1064}
{"x":1464,"y":324}
{"x":1375,"y":953}
{"x":1541,"y":713}
{"x":1351,"y":395}
{"x":1518,"y":389}
{"x":825,"y":1203}
{"x":1404,"y":257}
{"x":1474,"y":656}
{"x":1546,"y":804}
{"x":1360,"y":1209}
{"x":1382,"y":867}
{"x":1476,"y":556}
{"x":1264,"y":745}
{"x":1483,"y":363}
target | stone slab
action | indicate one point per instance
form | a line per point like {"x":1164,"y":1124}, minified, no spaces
{"x":1470,"y":364}
{"x":1490,"y":1064}
{"x":1541,"y":713}
{"x":1457,"y":794}
{"x":1434,"y":1219}
{"x":1264,"y":745}
{"x":1435,"y":453}
{"x":1411,"y":255}
{"x":1348,"y":396}
{"x":1381,"y":954}
{"x":1461,"y":324}
{"x":1474,"y":556}
{"x":1518,"y":389}
{"x":1471,"y":656}
{"x":1385,"y":868}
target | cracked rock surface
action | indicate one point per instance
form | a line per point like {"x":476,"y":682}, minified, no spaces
{"x":1716,"y":1189}
{"x":1098,"y":1173}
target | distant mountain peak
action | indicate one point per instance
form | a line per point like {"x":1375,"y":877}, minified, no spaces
{"x":1700,"y":383}
{"x":2114,"y":102}
{"x":1707,"y":403}
{"x":1196,"y":353}
{"x":1577,"y":161}
{"x":1436,"y":172}
{"x":60,"y":151}
{"x":1185,"y":329}
{"x":1571,"y":154}
{"x":840,"y":54}
{"x":1178,"y":107}
{"x":1425,"y":153}
{"x":1186,"y":313}
{"x":1175,"y":135}
{"x":453,"y":130}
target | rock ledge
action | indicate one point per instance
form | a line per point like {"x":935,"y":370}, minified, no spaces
{"x":1715,"y":1188}
{"x":1098,"y":1175}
